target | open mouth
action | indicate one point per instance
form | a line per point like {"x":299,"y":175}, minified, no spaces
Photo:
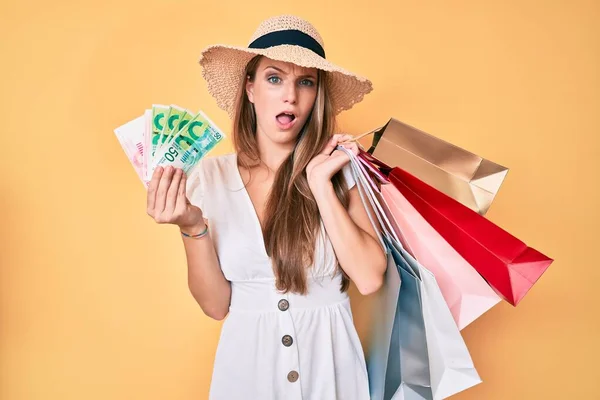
{"x":285,"y":118}
{"x":286,"y":121}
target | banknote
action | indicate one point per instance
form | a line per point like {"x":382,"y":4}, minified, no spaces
{"x":159,"y":112}
{"x":167,"y":135}
{"x":196,"y":139}
{"x":131,"y":138}
{"x":147,"y":142}
{"x":176,"y":119}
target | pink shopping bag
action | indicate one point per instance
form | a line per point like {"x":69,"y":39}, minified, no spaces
{"x":467,"y":294}
{"x":465,"y":291}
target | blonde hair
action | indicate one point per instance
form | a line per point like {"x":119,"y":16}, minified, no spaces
{"x":292,"y":218}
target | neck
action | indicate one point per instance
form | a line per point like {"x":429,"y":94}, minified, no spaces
{"x":273,"y":154}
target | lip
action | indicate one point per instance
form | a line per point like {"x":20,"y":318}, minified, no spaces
{"x":289,"y":125}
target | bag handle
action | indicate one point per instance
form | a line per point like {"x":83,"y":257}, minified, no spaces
{"x":372,"y":159}
{"x":364,"y":186}
{"x":374,"y":170}
{"x":377,"y":205}
{"x":362,"y":193}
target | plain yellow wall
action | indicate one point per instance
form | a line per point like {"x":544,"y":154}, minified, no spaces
{"x":94,"y":299}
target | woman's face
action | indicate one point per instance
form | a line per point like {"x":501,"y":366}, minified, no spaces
{"x":283,"y":95}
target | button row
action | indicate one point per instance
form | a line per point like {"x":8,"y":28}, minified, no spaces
{"x":287,"y":340}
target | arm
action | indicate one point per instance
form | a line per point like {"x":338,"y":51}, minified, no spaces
{"x":167,"y":203}
{"x":353,"y":237}
{"x":208,"y":285}
{"x":351,"y":233}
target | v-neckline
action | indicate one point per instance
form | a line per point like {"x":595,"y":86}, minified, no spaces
{"x":251,"y":207}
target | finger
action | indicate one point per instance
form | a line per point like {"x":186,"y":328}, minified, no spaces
{"x":331,"y":144}
{"x":337,"y":161}
{"x":152,"y":187}
{"x":172,"y":192}
{"x":346,"y":138}
{"x":352,"y":146}
{"x":163,"y":187}
{"x":181,"y":194}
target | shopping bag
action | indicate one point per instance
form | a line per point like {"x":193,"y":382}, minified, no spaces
{"x":467,"y":294}
{"x":505,"y":262}
{"x":433,"y":360}
{"x":450,"y":365}
{"x":408,"y":375}
{"x":466,"y":177}
{"x":398,"y":361}
{"x":381,"y":344}
{"x":465,"y":291}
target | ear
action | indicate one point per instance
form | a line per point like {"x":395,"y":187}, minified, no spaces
{"x":250,"y":89}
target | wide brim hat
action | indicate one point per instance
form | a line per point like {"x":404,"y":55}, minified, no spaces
{"x":284,"y":38}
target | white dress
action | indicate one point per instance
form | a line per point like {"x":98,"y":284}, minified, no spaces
{"x":274,"y":346}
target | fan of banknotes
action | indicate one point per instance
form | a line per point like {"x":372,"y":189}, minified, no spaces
{"x":167,"y":135}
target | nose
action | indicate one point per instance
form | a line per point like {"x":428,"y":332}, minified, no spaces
{"x":290,"y":94}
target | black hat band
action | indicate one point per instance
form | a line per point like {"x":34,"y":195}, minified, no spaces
{"x":292,"y":37}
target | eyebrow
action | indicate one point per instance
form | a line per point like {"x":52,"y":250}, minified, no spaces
{"x":283,"y":72}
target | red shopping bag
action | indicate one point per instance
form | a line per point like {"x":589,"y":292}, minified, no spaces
{"x":509,"y":266}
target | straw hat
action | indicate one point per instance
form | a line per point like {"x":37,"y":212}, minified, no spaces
{"x":284,"y":38}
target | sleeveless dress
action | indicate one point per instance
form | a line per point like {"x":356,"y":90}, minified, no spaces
{"x":272,"y":345}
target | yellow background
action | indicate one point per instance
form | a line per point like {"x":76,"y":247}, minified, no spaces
{"x":94,"y":299}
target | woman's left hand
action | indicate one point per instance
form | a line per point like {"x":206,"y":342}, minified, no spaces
{"x":329,"y":161}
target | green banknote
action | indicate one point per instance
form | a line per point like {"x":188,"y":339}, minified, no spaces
{"x":197,"y":137}
{"x":159,"y":118}
{"x":177,"y":118}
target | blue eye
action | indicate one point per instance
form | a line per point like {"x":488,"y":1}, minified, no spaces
{"x":306,"y":82}
{"x":274,"y":79}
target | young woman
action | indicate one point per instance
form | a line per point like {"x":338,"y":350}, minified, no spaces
{"x":274,"y":232}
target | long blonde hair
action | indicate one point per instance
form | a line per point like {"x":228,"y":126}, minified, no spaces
{"x":292,"y":218}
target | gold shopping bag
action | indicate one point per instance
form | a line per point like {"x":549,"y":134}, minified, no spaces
{"x":466,"y":177}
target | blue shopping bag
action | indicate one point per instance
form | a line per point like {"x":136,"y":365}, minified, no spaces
{"x":408,"y":374}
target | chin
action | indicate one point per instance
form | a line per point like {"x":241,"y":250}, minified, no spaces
{"x":284,"y":137}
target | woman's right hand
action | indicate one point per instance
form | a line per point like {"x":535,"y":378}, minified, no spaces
{"x":167,"y":202}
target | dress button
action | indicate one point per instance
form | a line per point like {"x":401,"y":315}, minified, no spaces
{"x":287,"y":340}
{"x":292,"y":376}
{"x":283,"y":304}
